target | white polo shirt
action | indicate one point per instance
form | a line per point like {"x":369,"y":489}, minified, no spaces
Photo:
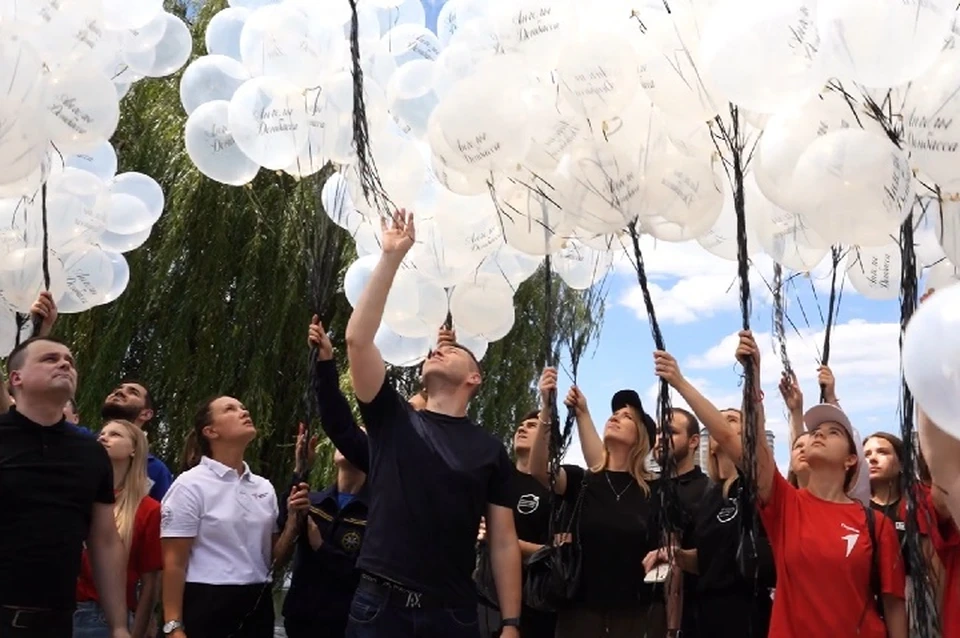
{"x":232,"y":519}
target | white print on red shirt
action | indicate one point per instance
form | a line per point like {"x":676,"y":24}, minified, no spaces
{"x":851,"y":538}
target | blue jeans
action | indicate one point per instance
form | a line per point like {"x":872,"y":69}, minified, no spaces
{"x":89,"y":621}
{"x":376,"y":615}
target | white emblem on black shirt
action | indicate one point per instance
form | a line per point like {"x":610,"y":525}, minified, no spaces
{"x":528,"y":503}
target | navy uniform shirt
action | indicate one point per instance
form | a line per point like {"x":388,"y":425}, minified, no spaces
{"x":324,"y":580}
{"x":50,"y":479}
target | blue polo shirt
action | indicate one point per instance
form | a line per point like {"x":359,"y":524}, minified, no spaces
{"x":159,"y":474}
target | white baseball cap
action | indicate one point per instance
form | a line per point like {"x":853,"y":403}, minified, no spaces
{"x":829,"y":413}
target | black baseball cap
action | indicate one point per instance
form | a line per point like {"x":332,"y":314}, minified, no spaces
{"x":629,"y":398}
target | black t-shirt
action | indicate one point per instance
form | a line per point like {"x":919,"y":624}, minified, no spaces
{"x":531,"y":510}
{"x":615,"y":535}
{"x":431,"y":478}
{"x":50,"y":478}
{"x":690,"y":488}
{"x":893,"y":511}
{"x":717,"y":538}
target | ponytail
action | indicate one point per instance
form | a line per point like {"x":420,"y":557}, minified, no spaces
{"x":191,"y":452}
{"x":197,"y":445}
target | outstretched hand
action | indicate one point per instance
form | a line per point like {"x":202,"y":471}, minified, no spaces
{"x":398,"y":236}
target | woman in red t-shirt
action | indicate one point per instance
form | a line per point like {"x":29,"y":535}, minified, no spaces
{"x":820,"y":537}
{"x":138,"y":521}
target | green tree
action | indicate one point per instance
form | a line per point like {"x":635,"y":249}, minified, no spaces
{"x":220,"y":297}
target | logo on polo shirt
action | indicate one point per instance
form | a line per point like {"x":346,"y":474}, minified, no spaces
{"x":528,"y":504}
{"x":350,"y":541}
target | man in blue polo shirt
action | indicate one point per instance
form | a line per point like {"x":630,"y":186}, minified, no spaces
{"x":131,"y":401}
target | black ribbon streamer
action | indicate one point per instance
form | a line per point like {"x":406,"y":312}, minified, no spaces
{"x":779,"y":333}
{"x":370,"y":183}
{"x":556,"y":443}
{"x":37,"y":321}
{"x":922,"y":617}
{"x":832,"y":309}
{"x":668,"y":513}
{"x":747,"y":552}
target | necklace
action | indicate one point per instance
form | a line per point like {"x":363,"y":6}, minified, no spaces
{"x":613,"y":489}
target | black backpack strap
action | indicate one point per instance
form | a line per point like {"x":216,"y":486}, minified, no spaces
{"x":875,"y":585}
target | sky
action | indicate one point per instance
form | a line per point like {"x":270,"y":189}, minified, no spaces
{"x":696,"y":298}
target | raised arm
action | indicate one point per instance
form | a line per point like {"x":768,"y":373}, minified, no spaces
{"x":336,"y":418}
{"x":942,"y":453}
{"x":590,"y":442}
{"x":828,"y":385}
{"x":367,"y":371}
{"x":793,"y":399}
{"x":748,"y":353}
{"x":540,"y":452}
{"x":721,"y":430}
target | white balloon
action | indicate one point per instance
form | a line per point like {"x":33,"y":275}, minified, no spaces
{"x":212,"y":148}
{"x":931,"y":358}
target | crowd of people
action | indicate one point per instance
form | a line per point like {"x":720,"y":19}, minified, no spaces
{"x":431,"y":530}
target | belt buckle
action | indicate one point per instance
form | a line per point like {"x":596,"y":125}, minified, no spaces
{"x":15,"y":623}
{"x":413,"y":600}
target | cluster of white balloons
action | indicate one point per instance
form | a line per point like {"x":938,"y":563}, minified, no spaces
{"x":525,"y":128}
{"x":64,"y":67}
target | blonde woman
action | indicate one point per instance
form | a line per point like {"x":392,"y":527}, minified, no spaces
{"x":138,"y":521}
{"x":614,"y":527}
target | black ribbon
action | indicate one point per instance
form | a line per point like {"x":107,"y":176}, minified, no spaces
{"x":832,"y":309}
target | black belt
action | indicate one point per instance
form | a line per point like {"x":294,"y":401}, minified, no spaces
{"x":397,"y":593}
{"x":26,"y":618}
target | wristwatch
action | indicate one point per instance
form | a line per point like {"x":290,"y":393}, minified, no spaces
{"x":171,"y":626}
{"x":510,"y":622}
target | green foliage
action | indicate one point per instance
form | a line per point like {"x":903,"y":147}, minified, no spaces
{"x":220,"y":298}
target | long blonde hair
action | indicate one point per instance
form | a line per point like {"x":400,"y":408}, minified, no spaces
{"x":637,"y":458}
{"x":135,"y":484}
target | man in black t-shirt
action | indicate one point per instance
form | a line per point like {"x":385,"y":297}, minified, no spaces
{"x":691,"y":483}
{"x":531,"y":516}
{"x":56,"y":492}
{"x":433,"y":474}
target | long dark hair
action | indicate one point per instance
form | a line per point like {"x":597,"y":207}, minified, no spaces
{"x":897,"y":444}
{"x":197,"y":444}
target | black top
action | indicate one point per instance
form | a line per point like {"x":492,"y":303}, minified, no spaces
{"x":336,"y":418}
{"x":50,"y":478}
{"x":893,"y":511}
{"x":531,"y":510}
{"x":615,"y":536}
{"x":431,"y":478}
{"x":717,"y":538}
{"x":690,"y":488}
{"x":324,"y":581}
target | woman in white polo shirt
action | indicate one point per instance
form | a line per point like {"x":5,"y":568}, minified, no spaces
{"x":219,"y":533}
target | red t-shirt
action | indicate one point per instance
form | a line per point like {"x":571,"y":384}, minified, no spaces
{"x":946,"y":540}
{"x":823,"y":554}
{"x":145,"y":556}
